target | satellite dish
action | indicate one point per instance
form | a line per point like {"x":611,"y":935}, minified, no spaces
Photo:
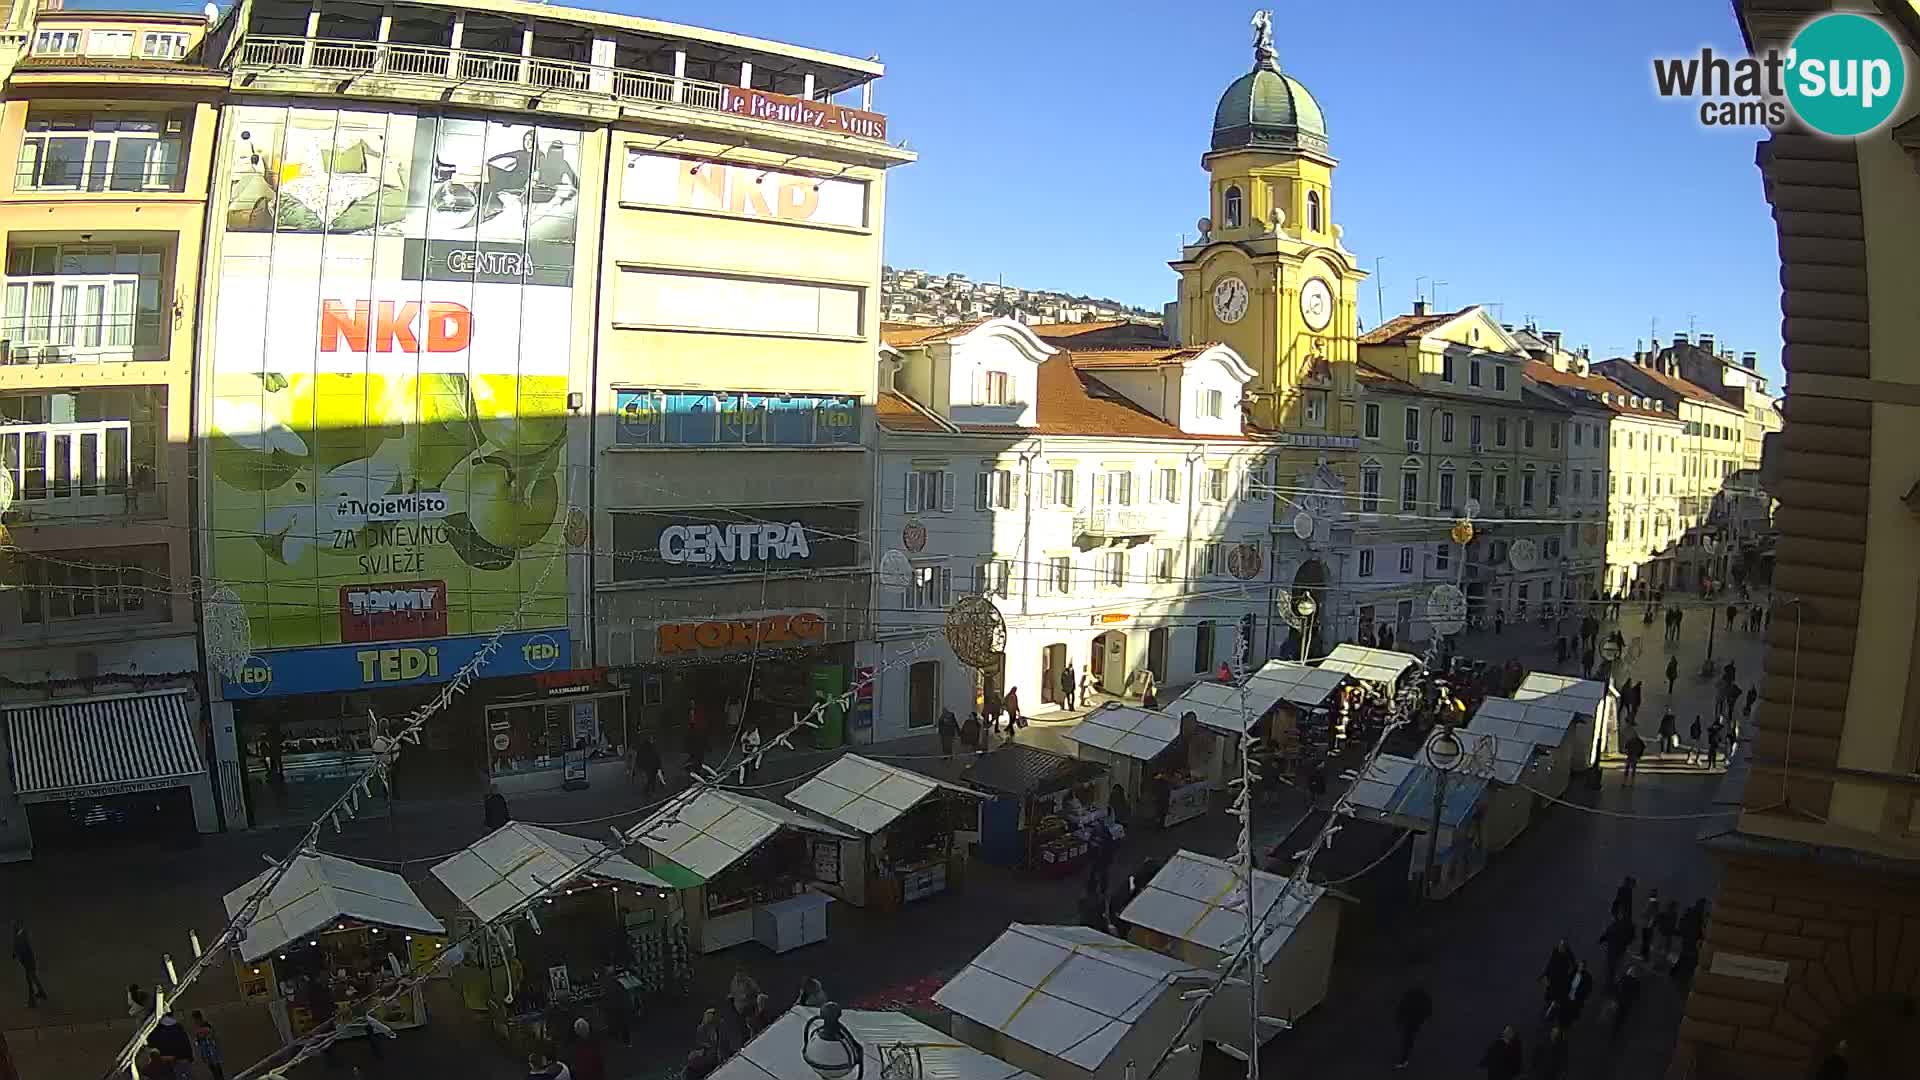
{"x":1471,"y":508}
{"x":1446,"y":609}
{"x":895,"y":571}
{"x":1524,"y":555}
{"x":1303,"y":525}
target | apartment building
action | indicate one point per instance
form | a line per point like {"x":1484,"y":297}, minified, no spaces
{"x":1811,"y":952}
{"x":109,"y":119}
{"x":1113,"y":504}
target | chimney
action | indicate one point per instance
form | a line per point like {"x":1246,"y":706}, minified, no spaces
{"x":1679,"y":340}
{"x":1553,"y":339}
{"x":1706,"y":342}
{"x":1419,"y":307}
{"x":1751,"y":359}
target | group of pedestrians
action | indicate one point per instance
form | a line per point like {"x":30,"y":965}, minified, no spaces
{"x":976,"y":732}
{"x":1753,"y":617}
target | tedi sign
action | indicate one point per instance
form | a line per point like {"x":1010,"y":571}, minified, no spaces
{"x":734,"y":543}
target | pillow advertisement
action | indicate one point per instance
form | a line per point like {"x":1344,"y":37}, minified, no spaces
{"x":388,"y":420}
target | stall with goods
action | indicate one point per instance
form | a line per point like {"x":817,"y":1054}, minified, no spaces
{"x":912,"y":831}
{"x":1146,"y":756}
{"x":331,"y":933}
{"x":744,"y":867}
{"x":1192,"y":911}
{"x":1070,"y":1003}
{"x":1287,"y":705}
{"x":1594,"y":703}
{"x":1042,"y":808}
{"x":607,"y":940}
{"x":859,"y":1042}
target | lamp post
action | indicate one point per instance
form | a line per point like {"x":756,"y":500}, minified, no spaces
{"x":1305,"y":607}
{"x":1713,"y":613}
{"x":1443,"y":753}
{"x":829,"y":1049}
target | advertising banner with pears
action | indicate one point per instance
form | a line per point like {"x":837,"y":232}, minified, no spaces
{"x":387,"y":418}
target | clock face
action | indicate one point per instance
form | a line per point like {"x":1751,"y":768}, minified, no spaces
{"x":1316,"y":303}
{"x":1230,"y":299}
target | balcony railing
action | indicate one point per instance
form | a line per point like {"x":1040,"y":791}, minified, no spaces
{"x":121,"y":338}
{"x":1116,"y":521}
{"x":472,"y":66}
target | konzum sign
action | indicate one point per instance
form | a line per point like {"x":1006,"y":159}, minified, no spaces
{"x":773,"y":631}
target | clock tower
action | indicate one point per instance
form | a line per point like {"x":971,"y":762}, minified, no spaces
{"x":1268,"y":275}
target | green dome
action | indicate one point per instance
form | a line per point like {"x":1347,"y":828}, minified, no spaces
{"x":1266,"y":109}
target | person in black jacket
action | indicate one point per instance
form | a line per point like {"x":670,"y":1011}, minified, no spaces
{"x":1579,"y":989}
{"x":1550,"y":1057}
{"x":1554,"y":977}
{"x":173,"y":1042}
{"x":1504,"y":1058}
{"x":1626,"y":994}
{"x":646,"y":762}
{"x":494,"y":809}
{"x":29,"y":964}
{"x":1416,"y":1005}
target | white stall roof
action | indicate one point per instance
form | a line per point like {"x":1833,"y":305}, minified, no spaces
{"x":1300,"y":684}
{"x":1196,"y":898}
{"x":1369,"y":665}
{"x":1127,"y":730}
{"x":321,"y":889}
{"x":715,"y":829}
{"x":1219,"y":705}
{"x":1066,"y":991}
{"x":865,"y":795}
{"x":1493,"y":755}
{"x":775,"y":1053}
{"x":1543,"y":722}
{"x":517,"y":860}
{"x":1586,"y":693}
{"x":1377,"y":783}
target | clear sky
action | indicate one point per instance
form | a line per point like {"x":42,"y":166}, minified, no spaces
{"x":1513,"y":149}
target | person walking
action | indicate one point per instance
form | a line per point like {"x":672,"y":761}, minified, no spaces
{"x":948,"y":729}
{"x":1626,"y":994}
{"x":1668,"y":924}
{"x":1499,"y":622}
{"x":1555,"y":976}
{"x":1733,"y":611}
{"x":1746,"y":711}
{"x":646,"y":763}
{"x":1012,"y":704}
{"x":1673,"y":672}
{"x":139,"y":1002}
{"x":175,"y":1046}
{"x":1560,"y":650}
{"x":29,"y":962}
{"x":970,"y":732}
{"x":1587,"y":658}
{"x":207,"y":1045}
{"x":589,"y":1060}
{"x":1669,"y":732}
{"x":1416,"y":1006}
{"x":696,"y":744}
{"x":1618,"y":938}
{"x":1651,"y":915}
{"x":1622,"y":906}
{"x":1579,"y":989}
{"x":1550,"y":1057}
{"x":1067,"y":686}
{"x":1100,"y":860}
{"x":750,"y":748}
{"x":1714,"y":731}
{"x":1694,"y":744}
{"x":1636,"y":746}
{"x":1504,"y":1059}
{"x":992,"y":706}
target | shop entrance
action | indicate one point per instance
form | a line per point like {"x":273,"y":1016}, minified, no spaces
{"x":923,"y":693}
{"x":114,"y":821}
{"x":1158,"y":641}
{"x":1108,"y":662}
{"x":1053,"y":660}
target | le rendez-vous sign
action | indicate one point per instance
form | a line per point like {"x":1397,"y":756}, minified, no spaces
{"x":782,"y":109}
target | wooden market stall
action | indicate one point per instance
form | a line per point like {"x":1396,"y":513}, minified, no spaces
{"x":1275,"y":699}
{"x":1070,"y":1003}
{"x":776,"y":1053}
{"x":1146,"y":755}
{"x":1399,"y":791}
{"x":1041,"y":807}
{"x":330,"y":933}
{"x":1537,"y":733}
{"x":1595,"y":702}
{"x":611,"y":939}
{"x":744,"y":867}
{"x":1189,"y":912}
{"x":912,"y":831}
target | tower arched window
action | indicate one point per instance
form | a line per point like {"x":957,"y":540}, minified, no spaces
{"x":1232,"y":208}
{"x":1314,"y":214}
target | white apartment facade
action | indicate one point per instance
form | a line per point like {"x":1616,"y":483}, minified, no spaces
{"x":1110,"y":504}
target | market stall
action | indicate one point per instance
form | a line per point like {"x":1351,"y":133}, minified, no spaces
{"x":1382,"y":667}
{"x":1537,"y":733}
{"x":1275,"y":702}
{"x":1146,"y":755}
{"x":912,"y":831}
{"x":610,"y":939}
{"x":1484,"y":808}
{"x":1041,"y":807}
{"x":883,"y":1038}
{"x":331,"y":933}
{"x":1188,"y":912}
{"x":1595,"y":702}
{"x":1070,"y":1003}
{"x":743,"y":866}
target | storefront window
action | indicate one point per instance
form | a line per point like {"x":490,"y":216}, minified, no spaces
{"x":534,"y":735}
{"x":773,"y":871}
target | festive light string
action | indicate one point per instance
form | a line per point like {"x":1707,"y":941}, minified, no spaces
{"x":387,"y":750}
{"x":276,"y":1067}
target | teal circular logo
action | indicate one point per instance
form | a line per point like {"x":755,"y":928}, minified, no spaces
{"x":1845,"y":75}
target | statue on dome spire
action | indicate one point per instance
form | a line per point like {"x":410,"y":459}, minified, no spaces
{"x":1263,"y":54}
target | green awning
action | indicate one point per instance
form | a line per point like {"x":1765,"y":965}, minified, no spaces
{"x":675,"y":875}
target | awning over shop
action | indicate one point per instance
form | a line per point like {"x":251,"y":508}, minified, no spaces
{"x":711,"y":831}
{"x":775,"y":1054}
{"x":1369,"y":665}
{"x":321,"y":889}
{"x":1196,"y":898}
{"x":1067,"y":991}
{"x":104,"y":746}
{"x":517,"y":861}
{"x":1220,"y":705}
{"x":1542,"y":722}
{"x":1126,"y":730}
{"x":866,"y":795}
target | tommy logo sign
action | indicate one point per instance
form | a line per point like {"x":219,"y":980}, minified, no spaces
{"x":394,"y":611}
{"x":1843,"y":75}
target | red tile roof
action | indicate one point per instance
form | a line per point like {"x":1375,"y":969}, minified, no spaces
{"x":1138,"y":357}
{"x":906,"y":335}
{"x":1401,"y":327}
{"x":896,"y":413}
{"x":1071,"y":402}
{"x":1677,"y":385}
{"x":1373,"y":376}
{"x":1596,"y":385}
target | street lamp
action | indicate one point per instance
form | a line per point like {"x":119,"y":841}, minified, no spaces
{"x":1610,"y":652}
{"x":829,"y":1049}
{"x":1706,"y":666}
{"x":1443,"y":753}
{"x":1304,"y":606}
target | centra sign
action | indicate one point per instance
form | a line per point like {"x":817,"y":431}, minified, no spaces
{"x":734,"y":543}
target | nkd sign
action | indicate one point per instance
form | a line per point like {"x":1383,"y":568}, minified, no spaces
{"x":654,"y":545}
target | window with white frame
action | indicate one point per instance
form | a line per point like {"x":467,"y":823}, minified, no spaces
{"x":932,"y":588}
{"x":1406,"y":560}
{"x":81,"y":151}
{"x":56,"y":43}
{"x":1473,"y":431}
{"x":1550,"y":547}
{"x":929,"y":491}
{"x":1526,"y":433}
{"x":1526,"y":487}
{"x":1314,"y":408}
{"x":1063,"y":487}
{"x":992,"y":577}
{"x":1500,"y":489}
{"x":1371,"y":421}
{"x":1473,"y":373}
{"x":996,"y":388}
{"x":1166,"y":564}
{"x":1413,"y":427}
{"x":1058,"y":578}
{"x":1409,"y":490}
{"x":1216,"y":485}
{"x":109,"y":43}
{"x":1553,"y":435}
{"x":1232,"y":208}
{"x":1577,"y":429}
{"x":1113,"y":569}
{"x":1446,"y":426}
{"x":1446,"y":490}
{"x":1209,"y":559}
{"x":1593,"y":483}
{"x":1446,"y":367}
{"x":114,"y":584}
{"x":1553,"y":489}
{"x":1475,"y":485}
{"x":1213,"y":404}
{"x":163,"y":46}
{"x":1166,"y":485}
{"x":1499,"y":431}
{"x":1366,"y":562}
{"x":1113,"y":488}
{"x":1442,"y":556}
{"x":1369,"y":489}
{"x":993,"y":490}
{"x":67,"y":299}
{"x":1499,"y":376}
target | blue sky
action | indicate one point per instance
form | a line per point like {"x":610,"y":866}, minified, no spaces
{"x":1510,"y":148}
